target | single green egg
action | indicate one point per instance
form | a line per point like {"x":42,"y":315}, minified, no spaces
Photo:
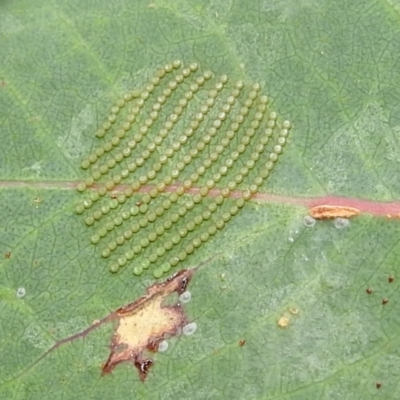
{"x":137,"y":249}
{"x":168,"y":245}
{"x":165,"y":267}
{"x":114,"y":268}
{"x":153,"y":257}
{"x":105,"y":253}
{"x":79,"y":209}
{"x":220,"y":224}
{"x":129,"y":254}
{"x":120,"y":240}
{"x":144,"y":242}
{"x":95,"y":239}
{"x":138,"y":270}
{"x":158,"y":273}
{"x":89,"y":221}
{"x":174,"y":261}
{"x":196,"y":242}
{"x":112,"y":245}
{"x":97,"y":215}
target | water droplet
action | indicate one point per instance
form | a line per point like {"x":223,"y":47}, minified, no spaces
{"x":189,"y":329}
{"x":309,"y":221}
{"x":185,"y":297}
{"x":163,"y":346}
{"x":341,"y":222}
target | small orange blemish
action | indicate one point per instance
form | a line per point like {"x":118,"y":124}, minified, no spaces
{"x":283,"y":322}
{"x":37,"y":201}
{"x":242,"y":342}
{"x":329,"y":212}
{"x":8,"y":254}
{"x":369,"y":290}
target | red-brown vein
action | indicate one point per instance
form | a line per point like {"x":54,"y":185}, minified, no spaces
{"x":376,"y":208}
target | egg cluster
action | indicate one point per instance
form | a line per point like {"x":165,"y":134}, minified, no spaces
{"x":169,"y":157}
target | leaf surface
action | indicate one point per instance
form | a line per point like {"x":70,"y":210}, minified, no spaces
{"x":329,"y":67}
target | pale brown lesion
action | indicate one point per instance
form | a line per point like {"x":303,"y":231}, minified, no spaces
{"x":143,"y":324}
{"x":140,"y":325}
{"x":330,"y":212}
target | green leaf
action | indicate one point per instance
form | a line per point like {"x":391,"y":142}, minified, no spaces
{"x":331,"y":67}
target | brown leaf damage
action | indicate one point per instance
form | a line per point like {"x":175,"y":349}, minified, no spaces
{"x":328,"y":211}
{"x":140,"y":326}
{"x":143,"y":324}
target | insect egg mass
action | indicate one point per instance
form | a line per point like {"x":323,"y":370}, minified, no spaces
{"x":167,"y":158}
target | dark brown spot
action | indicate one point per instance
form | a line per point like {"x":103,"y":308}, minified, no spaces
{"x":143,"y":368}
{"x":242,"y":342}
{"x":153,"y":345}
{"x":391,"y":279}
{"x":378,"y":385}
{"x":8,"y":254}
{"x":385,"y":301}
{"x":184,"y":284}
{"x":369,"y":290}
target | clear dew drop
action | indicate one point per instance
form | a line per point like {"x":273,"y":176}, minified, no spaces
{"x":21,"y":292}
{"x":189,"y":329}
{"x":309,"y":221}
{"x":163,"y":346}
{"x":341,"y":223}
{"x":185,"y":297}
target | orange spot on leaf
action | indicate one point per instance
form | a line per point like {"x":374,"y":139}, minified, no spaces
{"x":283,"y":322}
{"x":328,"y":212}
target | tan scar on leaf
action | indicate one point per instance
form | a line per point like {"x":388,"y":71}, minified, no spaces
{"x":327,"y":212}
{"x":141,"y":325}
